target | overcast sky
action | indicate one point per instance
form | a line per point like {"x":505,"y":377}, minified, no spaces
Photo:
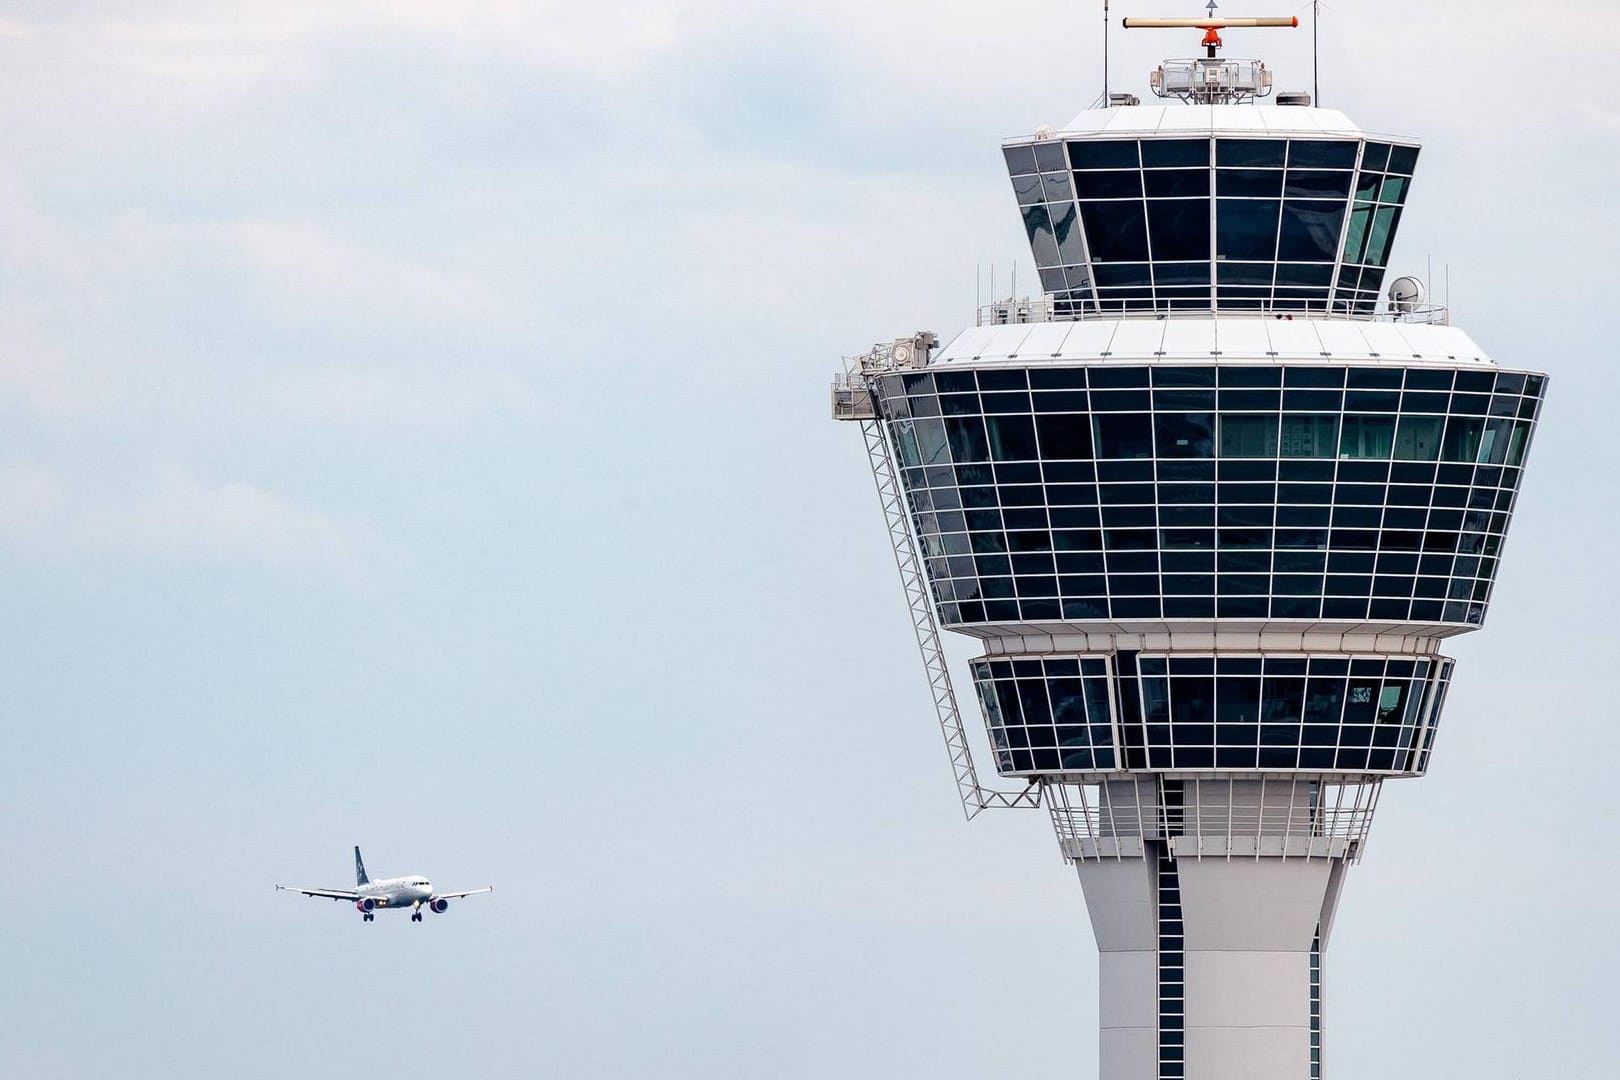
{"x":413,"y":433}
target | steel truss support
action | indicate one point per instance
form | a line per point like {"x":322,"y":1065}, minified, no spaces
{"x":974,"y":796}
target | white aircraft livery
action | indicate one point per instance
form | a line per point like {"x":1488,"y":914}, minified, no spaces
{"x":369,"y":896}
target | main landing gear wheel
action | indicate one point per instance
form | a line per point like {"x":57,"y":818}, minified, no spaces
{"x":416,"y":916}
{"x":366,"y":916}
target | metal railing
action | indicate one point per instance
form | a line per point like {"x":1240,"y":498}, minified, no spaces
{"x":1208,"y":81}
{"x":1292,"y":817}
{"x":852,"y":397}
{"x":1027,"y":310}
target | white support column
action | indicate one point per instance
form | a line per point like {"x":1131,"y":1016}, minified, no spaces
{"x":1249,"y":927}
{"x":1236,"y":970}
{"x":1119,"y":898}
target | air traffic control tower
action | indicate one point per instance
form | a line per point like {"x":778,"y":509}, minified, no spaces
{"x":1211,"y":504}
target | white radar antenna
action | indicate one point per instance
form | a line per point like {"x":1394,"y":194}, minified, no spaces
{"x":1209,"y":79}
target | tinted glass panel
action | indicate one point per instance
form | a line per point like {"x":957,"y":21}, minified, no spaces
{"x":1247,"y":229}
{"x":1186,"y":435}
{"x":1020,"y":159}
{"x":1179,"y":229}
{"x":1258,"y":183}
{"x":1318,"y":185}
{"x":1403,"y":159}
{"x":1116,"y":232}
{"x":1315,"y":154}
{"x":1310,"y":230}
{"x":1108,"y":185}
{"x":1179,"y":183}
{"x":1041,"y":240}
{"x":1170,"y":153}
{"x":1104,"y":154}
{"x":1261,"y":152}
{"x":1124,"y":435}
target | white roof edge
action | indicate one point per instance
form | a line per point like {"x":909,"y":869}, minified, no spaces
{"x":1214,"y":119}
{"x":1357,"y":342}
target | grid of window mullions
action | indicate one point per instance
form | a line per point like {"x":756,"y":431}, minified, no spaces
{"x":1055,"y":713}
{"x":1232,"y":543}
{"x":1369,"y":233}
{"x":1071,"y":201}
{"x":1336,"y":714}
{"x":1441,"y":560}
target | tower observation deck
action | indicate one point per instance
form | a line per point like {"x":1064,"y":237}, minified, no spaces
{"x":1211,"y":506}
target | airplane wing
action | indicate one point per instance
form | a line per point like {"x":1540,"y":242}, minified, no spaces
{"x":329,"y":894}
{"x":456,"y":895}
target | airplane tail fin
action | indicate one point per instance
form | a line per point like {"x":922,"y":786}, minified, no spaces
{"x":359,"y":869}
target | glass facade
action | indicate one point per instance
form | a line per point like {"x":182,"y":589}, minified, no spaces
{"x":1118,"y":493}
{"x":1181,"y":713}
{"x":1199,"y":223}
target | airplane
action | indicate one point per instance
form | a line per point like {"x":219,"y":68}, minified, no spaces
{"x":367,"y":896}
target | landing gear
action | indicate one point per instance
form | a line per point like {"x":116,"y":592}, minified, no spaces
{"x":416,"y":916}
{"x":366,"y":916}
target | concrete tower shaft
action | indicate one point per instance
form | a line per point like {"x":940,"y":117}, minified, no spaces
{"x":1212,"y":511}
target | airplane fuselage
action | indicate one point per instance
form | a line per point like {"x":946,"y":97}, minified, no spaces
{"x":400,"y":892}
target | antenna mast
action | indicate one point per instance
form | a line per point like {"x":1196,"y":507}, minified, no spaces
{"x":1316,"y":62}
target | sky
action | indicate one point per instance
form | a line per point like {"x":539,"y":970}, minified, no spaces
{"x":414,"y":434}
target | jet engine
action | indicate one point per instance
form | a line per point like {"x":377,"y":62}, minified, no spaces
{"x":439,"y":906}
{"x":367,"y":905}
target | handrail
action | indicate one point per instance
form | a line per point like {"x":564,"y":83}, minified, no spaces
{"x":1029,"y":311}
{"x":1094,"y":817}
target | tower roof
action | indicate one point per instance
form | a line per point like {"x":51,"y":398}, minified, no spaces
{"x":1212,"y":120}
{"x":1239,"y":338}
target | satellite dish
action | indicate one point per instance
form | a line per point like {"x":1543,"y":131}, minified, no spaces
{"x":1406,"y":294}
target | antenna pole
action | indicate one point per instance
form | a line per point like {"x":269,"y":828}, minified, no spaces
{"x":1316,"y":63}
{"x":1105,"y":54}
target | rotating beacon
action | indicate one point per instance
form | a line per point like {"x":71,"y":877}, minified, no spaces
{"x":1211,"y":506}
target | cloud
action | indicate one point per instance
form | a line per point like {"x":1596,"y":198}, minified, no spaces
{"x":175,"y":517}
{"x":1598,"y":117}
{"x":251,"y":326}
{"x":311,"y":272}
{"x":236,"y":43}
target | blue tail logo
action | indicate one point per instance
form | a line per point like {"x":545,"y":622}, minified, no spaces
{"x":359,"y":869}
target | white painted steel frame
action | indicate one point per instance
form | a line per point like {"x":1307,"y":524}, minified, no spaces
{"x":974,"y":796}
{"x":1337,"y":808}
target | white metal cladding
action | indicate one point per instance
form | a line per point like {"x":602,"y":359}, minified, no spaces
{"x":1225,"y":339}
{"x":1144,"y":120}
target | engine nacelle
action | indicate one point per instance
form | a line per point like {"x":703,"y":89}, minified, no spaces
{"x":367,"y":905}
{"x":439,"y":906}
